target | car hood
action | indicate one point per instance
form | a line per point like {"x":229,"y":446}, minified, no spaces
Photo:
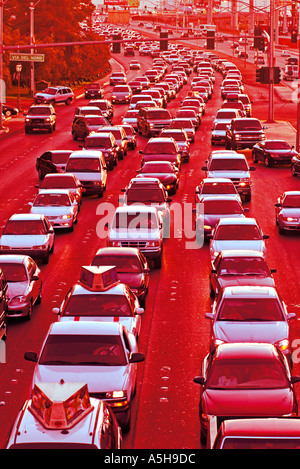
{"x":213,"y":219}
{"x":237,"y":331}
{"x":257,"y":245}
{"x":290,"y":212}
{"x":52,"y":211}
{"x":163,"y":177}
{"x":97,"y":378}
{"x":228,"y":174}
{"x":248,"y":280}
{"x":24,"y":241}
{"x":252,"y":402}
{"x":128,"y":234}
{"x":133,"y":280}
{"x":16,"y":289}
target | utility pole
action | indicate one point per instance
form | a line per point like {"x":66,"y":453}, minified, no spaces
{"x":271,"y":64}
{"x":2,"y":85}
{"x":32,"y":41}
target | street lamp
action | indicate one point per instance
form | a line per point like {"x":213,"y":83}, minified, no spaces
{"x":18,"y":70}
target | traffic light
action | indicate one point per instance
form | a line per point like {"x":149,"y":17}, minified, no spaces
{"x":116,"y":47}
{"x":258,"y":75}
{"x":261,"y":44}
{"x":210,"y":40}
{"x":257,"y":37}
{"x":263,"y":75}
{"x":164,"y":44}
{"x":294,"y":36}
{"x":276,"y":75}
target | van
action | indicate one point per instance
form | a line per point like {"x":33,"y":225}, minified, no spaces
{"x":151,"y":120}
{"x":90,"y":168}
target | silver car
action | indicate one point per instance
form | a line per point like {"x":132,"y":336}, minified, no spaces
{"x":250,"y":314}
{"x":24,"y":284}
{"x":287,"y":211}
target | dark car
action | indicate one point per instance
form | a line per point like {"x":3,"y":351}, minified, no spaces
{"x":106,"y":143}
{"x":295,"y":165}
{"x":240,"y":267}
{"x":52,"y":161}
{"x":40,"y":117}
{"x":245,"y":380}
{"x":181,"y":138}
{"x":131,"y":135}
{"x":244,"y":132}
{"x":82,"y":126}
{"x":272,"y":152}
{"x":106,"y":107}
{"x":120,"y":136}
{"x":135,"y":86}
{"x":131,"y":266}
{"x":165,"y":171}
{"x":161,"y":149}
{"x":3,"y":305}
{"x":287,"y":211}
{"x":151,"y":120}
{"x":63,"y":181}
{"x":94,"y":90}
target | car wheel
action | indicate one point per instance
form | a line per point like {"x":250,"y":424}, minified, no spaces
{"x":29,"y":313}
{"x":254,"y":157}
{"x":293,"y":171}
{"x":68,"y":101}
{"x":248,"y":197}
{"x":46,"y":258}
{"x":39,"y":298}
{"x":127,"y":425}
{"x":268,"y":161}
{"x":158,"y":262}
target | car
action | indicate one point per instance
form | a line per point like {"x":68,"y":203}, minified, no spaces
{"x":9,"y":111}
{"x":89,"y":166}
{"x":144,"y":81}
{"x":145,"y":98}
{"x":54,"y":95}
{"x":245,"y":380}
{"x":105,"y":106}
{"x":83,"y":125}
{"x":84,"y":422}
{"x":52,"y":161}
{"x":24,"y":284}
{"x":234,"y":104}
{"x":151,"y":120}
{"x":273,"y":152}
{"x":63,"y":181}
{"x":129,"y":51}
{"x":30,"y":234}
{"x":107,"y":144}
{"x":287,"y":211}
{"x":188,"y":113}
{"x":120,"y":137}
{"x":216,"y":187}
{"x":247,"y":313}
{"x":94,"y":91}
{"x":285,"y":53}
{"x":131,"y":136}
{"x":255,"y":433}
{"x":40,"y":117}
{"x":243,"y":267}
{"x":121,"y":94}
{"x":181,"y":138}
{"x":165,"y":171}
{"x":152,"y":75}
{"x":226,"y":115}
{"x":58,"y":205}
{"x":114,"y":302}
{"x":247,"y":103}
{"x":130,"y":118}
{"x":131,"y":266}
{"x":233,"y":166}
{"x":88,"y":110}
{"x":161,"y":149}
{"x":3,"y":305}
{"x":187,"y":125}
{"x":118,"y":78}
{"x":140,"y":227}
{"x":237,"y":233}
{"x":211,"y":209}
{"x":134,"y":65}
{"x":242,"y":54}
{"x":218,"y":133}
{"x":106,"y":355}
{"x":244,"y":132}
{"x":135,"y":86}
{"x":295,"y":165}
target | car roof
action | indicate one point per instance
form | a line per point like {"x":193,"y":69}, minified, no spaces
{"x":13,"y":258}
{"x":245,"y":350}
{"x":136,"y":208}
{"x":85,"y":328}
{"x":85,"y":154}
{"x":291,"y":193}
{"x":54,"y":191}
{"x":250,"y":291}
{"x":27,"y":216}
{"x":121,"y":251}
{"x":241,"y":253}
{"x":220,"y":197}
{"x":216,"y":180}
{"x":237,"y":221}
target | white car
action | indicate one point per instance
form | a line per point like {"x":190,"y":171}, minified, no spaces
{"x":59,"y":206}
{"x":237,"y":233}
{"x":102,"y":355}
{"x":30,"y":234}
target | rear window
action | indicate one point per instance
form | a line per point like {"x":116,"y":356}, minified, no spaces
{"x":60,"y":158}
{"x":232,"y":164}
{"x":246,"y":124}
{"x":58,"y":182}
{"x":84,"y":165}
{"x":159,"y":114}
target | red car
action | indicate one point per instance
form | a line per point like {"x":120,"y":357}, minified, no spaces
{"x":245,"y":380}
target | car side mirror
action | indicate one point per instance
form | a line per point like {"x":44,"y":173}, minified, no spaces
{"x":213,"y":271}
{"x":140,"y":310}
{"x":246,"y":209}
{"x":266,"y":236}
{"x":141,"y":152}
{"x":169,"y":199}
{"x":136,"y":357}
{"x":31,"y":356}
{"x":204,"y":168}
{"x":51,"y":230}
{"x":278,"y":205}
{"x":199,"y":380}
{"x":34,"y":277}
{"x":252,"y":168}
{"x":273,"y":271}
{"x":295,"y":379}
{"x":209,"y":315}
{"x":56,"y":311}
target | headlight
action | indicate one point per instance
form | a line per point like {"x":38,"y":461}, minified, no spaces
{"x":283,"y":345}
{"x":153,"y":244}
{"x":44,"y":246}
{"x":27,"y":119}
{"x":17,"y":300}
{"x":120,"y":398}
{"x":65,"y":217}
{"x":47,"y":119}
{"x":289,"y":219}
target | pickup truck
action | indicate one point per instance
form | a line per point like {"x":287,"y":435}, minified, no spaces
{"x":244,"y":132}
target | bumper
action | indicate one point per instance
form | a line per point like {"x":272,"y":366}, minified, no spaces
{"x":92,"y":188}
{"x":61,"y":223}
{"x":18,"y":311}
{"x":34,"y":253}
{"x":289,"y":226}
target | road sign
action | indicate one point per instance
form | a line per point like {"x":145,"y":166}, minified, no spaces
{"x":26,"y":57}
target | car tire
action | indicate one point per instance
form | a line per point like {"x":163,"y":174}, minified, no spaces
{"x":293,"y":171}
{"x":40,"y":296}
{"x":126,"y":427}
{"x":158,"y":262}
{"x":254,"y":157}
{"x":46,"y":258}
{"x":68,"y":102}
{"x":29,"y":314}
{"x":267,"y":162}
{"x":248,"y":197}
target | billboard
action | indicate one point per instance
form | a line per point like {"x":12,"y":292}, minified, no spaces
{"x":116,"y":2}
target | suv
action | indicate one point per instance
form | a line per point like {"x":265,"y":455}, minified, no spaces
{"x":82,"y":126}
{"x":55,"y":94}
{"x":106,"y":143}
{"x":120,"y":136}
{"x":40,"y":117}
{"x":94,"y":90}
{"x":106,"y":107}
{"x":234,"y":167}
{"x":139,"y":227}
{"x":152,"y":120}
{"x":244,"y":132}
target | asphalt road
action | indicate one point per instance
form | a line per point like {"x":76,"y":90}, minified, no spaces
{"x":175,"y":333}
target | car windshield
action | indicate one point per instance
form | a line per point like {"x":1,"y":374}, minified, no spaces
{"x":57,"y":182}
{"x":157,"y":148}
{"x":96,"y":111}
{"x":122,"y":263}
{"x":145,"y":196}
{"x":74,"y":350}
{"x":245,"y":124}
{"x":96,"y":120}
{"x":237,"y":232}
{"x":277,"y":145}
{"x":250,"y":309}
{"x":97,"y":305}
{"x":84,"y":165}
{"x":231,"y":164}
{"x":178,"y":136}
{"x":122,"y":89}
{"x":243,"y":266}
{"x":98,"y":142}
{"x":225,"y":115}
{"x":94,"y":86}
{"x":39,"y":111}
{"x":52,"y":199}
{"x":138,"y":221}
{"x":60,"y":158}
{"x":291,"y":201}
{"x":222,"y":207}
{"x":218,"y":188}
{"x":247,"y":373}
{"x":157,"y":168}
{"x":14,"y":272}
{"x":24,"y":227}
{"x":220,"y":126}
{"x":182,"y":124}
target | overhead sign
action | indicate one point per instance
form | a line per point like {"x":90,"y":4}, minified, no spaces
{"x":116,"y":2}
{"x":27,"y":57}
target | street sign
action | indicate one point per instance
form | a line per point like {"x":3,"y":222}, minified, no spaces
{"x":26,"y":57}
